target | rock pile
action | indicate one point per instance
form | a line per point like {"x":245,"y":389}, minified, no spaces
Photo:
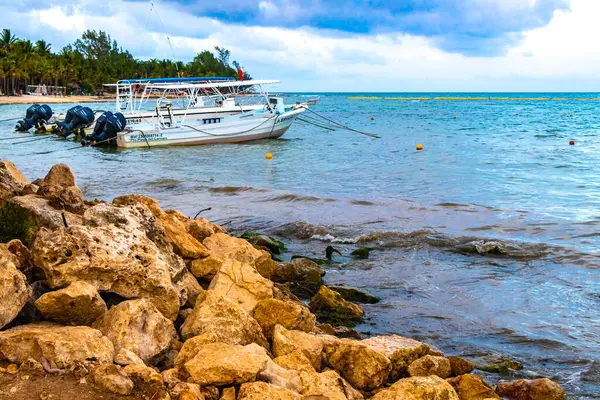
{"x":144,"y":302}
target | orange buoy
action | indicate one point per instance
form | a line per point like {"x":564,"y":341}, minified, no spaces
{"x":572,"y":142}
{"x":419,"y":147}
{"x":268,"y":156}
{"x":454,"y":117}
{"x":563,"y":114}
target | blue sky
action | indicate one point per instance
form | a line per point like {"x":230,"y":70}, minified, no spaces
{"x":328,"y":45}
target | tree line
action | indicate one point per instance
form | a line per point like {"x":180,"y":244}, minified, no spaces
{"x":91,"y":61}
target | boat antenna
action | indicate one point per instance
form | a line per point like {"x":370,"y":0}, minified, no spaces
{"x":165,"y":32}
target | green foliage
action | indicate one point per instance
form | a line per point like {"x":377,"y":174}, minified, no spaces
{"x":91,"y":61}
{"x":16,"y":224}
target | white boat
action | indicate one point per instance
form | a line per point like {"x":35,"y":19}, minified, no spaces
{"x":186,"y":127}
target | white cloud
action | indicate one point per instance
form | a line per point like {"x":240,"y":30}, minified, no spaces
{"x":564,"y":55}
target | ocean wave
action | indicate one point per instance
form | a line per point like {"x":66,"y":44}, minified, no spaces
{"x":232,"y":190}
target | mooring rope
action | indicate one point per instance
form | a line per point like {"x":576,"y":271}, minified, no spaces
{"x":10,"y":119}
{"x":340,"y":125}
{"x":315,"y":124}
{"x":35,"y":140}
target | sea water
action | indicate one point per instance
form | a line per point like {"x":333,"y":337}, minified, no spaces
{"x":486,"y":241}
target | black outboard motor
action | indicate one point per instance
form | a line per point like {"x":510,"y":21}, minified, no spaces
{"x":113,"y":124}
{"x":77,"y":118}
{"x":34,"y":115}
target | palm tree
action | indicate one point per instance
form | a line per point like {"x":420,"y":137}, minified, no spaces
{"x":7,"y":39}
{"x":42,"y":48}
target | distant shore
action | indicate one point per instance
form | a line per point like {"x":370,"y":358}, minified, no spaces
{"x":30,"y":99}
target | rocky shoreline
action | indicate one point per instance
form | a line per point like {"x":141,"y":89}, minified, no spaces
{"x":127,"y":300}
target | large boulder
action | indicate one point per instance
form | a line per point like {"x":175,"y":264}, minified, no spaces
{"x":290,"y":315}
{"x":418,"y":388}
{"x":14,"y":290}
{"x":328,"y":384}
{"x":362,"y":366}
{"x":262,"y":391}
{"x":189,"y":289}
{"x":216,"y":314}
{"x":460,"y":366}
{"x":304,"y":276}
{"x":535,"y":389}
{"x":355,"y":294}
{"x":59,"y":187}
{"x":277,"y":375}
{"x":288,"y":341}
{"x":430,"y":365}
{"x":121,"y":257}
{"x":223,"y":247}
{"x":12,"y":180}
{"x":242,"y":284}
{"x":220,"y":363}
{"x":472,"y":387}
{"x":138,"y":326}
{"x":400,"y":350}
{"x":296,"y":360}
{"x":77,"y":304}
{"x":331,"y":307}
{"x":59,"y":175}
{"x":184,"y":244}
{"x":63,"y":345}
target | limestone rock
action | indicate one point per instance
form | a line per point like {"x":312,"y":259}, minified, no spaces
{"x":59,"y":175}
{"x":18,"y":254}
{"x":260,"y":240}
{"x":430,"y":365}
{"x":128,"y":357}
{"x":296,"y":360}
{"x":262,"y":391}
{"x":14,"y":290}
{"x":417,"y":388}
{"x":192,"y":288}
{"x":221,"y":363}
{"x":536,"y":389}
{"x":240,"y":282}
{"x":304,"y":276}
{"x":228,"y":394}
{"x":460,"y":366}
{"x":400,"y":350}
{"x":145,"y":380}
{"x":328,"y":384}
{"x":434,"y":351}
{"x":331,"y":307}
{"x":201,"y":228}
{"x":472,"y":387}
{"x":223,"y":247}
{"x":340,"y":331}
{"x":136,"y":325}
{"x":355,"y":294}
{"x":110,"y":379}
{"x":288,"y":341}
{"x":271,"y":312}
{"x":77,"y":304}
{"x":63,"y":345}
{"x":191,"y":346}
{"x":362,"y":366}
{"x":228,"y":321}
{"x":12,"y":180}
{"x":59,"y":187}
{"x":277,"y":375}
{"x":495,"y":363}
{"x":119,"y":260}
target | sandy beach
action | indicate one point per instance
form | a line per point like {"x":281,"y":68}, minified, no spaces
{"x":30,"y":99}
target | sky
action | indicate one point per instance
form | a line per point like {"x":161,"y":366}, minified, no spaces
{"x":349,"y":46}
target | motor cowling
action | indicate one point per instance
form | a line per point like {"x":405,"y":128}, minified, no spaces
{"x":35,"y":114}
{"x":101,"y":123}
{"x":114,"y":124}
{"x":78,"y":118}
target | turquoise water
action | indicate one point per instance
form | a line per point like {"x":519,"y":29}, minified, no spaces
{"x":501,"y":170}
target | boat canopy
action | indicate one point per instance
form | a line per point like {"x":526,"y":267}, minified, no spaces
{"x":197,"y":79}
{"x":180,"y":85}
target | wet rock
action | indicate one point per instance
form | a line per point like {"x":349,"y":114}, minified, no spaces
{"x":110,"y":379}
{"x":495,"y":363}
{"x":288,"y":341}
{"x":340,"y":331}
{"x":216,"y":314}
{"x":282,"y":291}
{"x":138,"y":326}
{"x":12,"y":181}
{"x":276,"y":375}
{"x":328,"y":384}
{"x":434,"y":351}
{"x":421,"y":387}
{"x":472,"y":387}
{"x":460,"y":366}
{"x":592,"y":373}
{"x":272,"y":312}
{"x":201,"y":228}
{"x":296,"y":360}
{"x":189,"y":284}
{"x":62,"y":345}
{"x":223,"y":247}
{"x":242,"y":284}
{"x":354,"y":294}
{"x":318,"y":261}
{"x":122,"y":260}
{"x":219,"y":363}
{"x":536,"y":389}
{"x":304,"y":276}
{"x":77,"y":304}
{"x":400,"y":350}
{"x":361,"y":253}
{"x":262,"y":390}
{"x":14,"y":290}
{"x":257,"y":239}
{"x":430,"y":365}
{"x":362,"y":366}
{"x":330,"y":306}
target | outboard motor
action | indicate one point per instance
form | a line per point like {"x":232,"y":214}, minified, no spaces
{"x":34,"y":115}
{"x":112,"y":125}
{"x":77,"y":118}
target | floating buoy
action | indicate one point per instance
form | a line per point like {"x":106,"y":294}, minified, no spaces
{"x":372,"y":119}
{"x":419,"y":147}
{"x":572,"y":142}
{"x":268,"y":156}
{"x":571,"y":115}
{"x":454,"y":117}
{"x":563,"y":115}
{"x":517,"y":114}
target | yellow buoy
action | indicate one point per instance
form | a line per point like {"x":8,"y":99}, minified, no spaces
{"x":419,"y":147}
{"x":563,"y":114}
{"x":268,"y":156}
{"x":454,"y":117}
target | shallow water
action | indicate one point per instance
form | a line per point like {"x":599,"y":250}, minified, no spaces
{"x":489,"y":174}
